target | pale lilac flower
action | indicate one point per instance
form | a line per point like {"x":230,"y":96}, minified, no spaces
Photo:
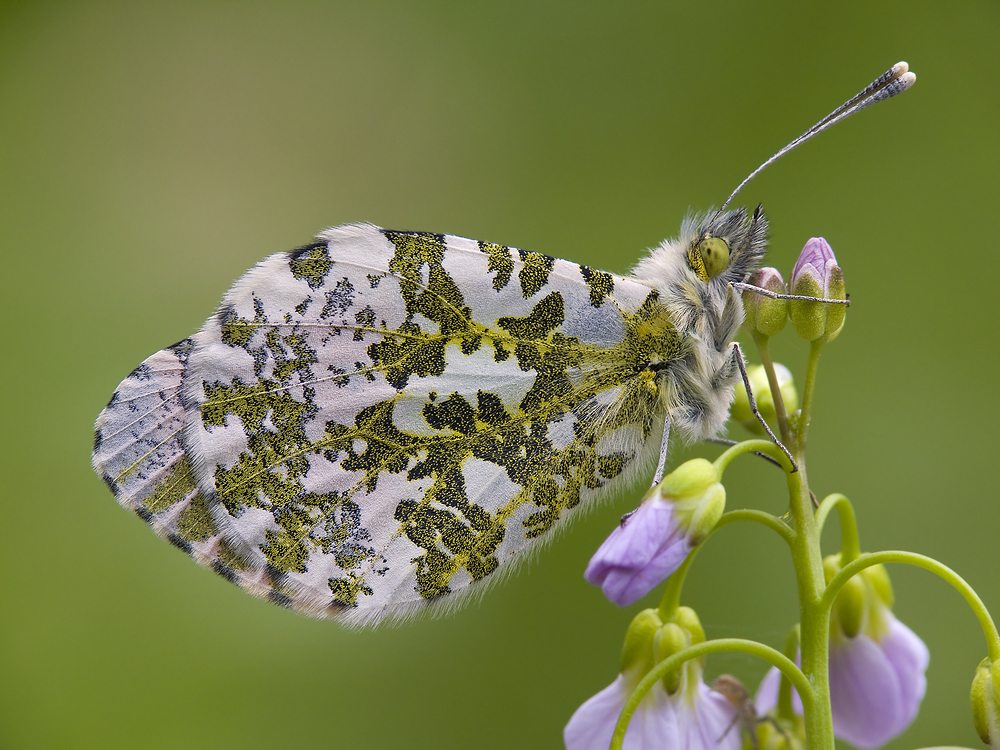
{"x":877,"y":678}
{"x":691,"y":719}
{"x":654,"y":723}
{"x":640,"y":553}
{"x":652,"y":543}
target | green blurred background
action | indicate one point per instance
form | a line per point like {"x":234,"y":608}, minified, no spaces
{"x":151,"y":152}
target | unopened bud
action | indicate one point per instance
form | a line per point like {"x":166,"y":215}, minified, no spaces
{"x":757,"y":376}
{"x":670,"y":639}
{"x":637,"y":652}
{"x":816,"y":274}
{"x":986,"y":703}
{"x":764,"y":315}
{"x":697,"y":497}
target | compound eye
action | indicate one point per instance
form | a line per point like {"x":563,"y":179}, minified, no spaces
{"x":715,"y":255}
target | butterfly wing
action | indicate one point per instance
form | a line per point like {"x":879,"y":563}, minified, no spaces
{"x":385,"y":421}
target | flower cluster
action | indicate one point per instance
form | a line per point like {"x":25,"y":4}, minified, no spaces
{"x":876,"y":665}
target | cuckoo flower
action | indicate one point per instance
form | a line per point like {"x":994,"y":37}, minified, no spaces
{"x":877,"y":664}
{"x":653,"y":541}
{"x":679,"y":712}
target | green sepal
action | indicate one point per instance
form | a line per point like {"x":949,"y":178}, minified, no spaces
{"x":637,"y":651}
{"x":707,"y":514}
{"x":771,"y":316}
{"x":764,"y":315}
{"x":985,"y":700}
{"x":809,"y":318}
{"x":689,"y":480}
{"x":670,"y":639}
{"x":687,"y":618}
{"x":769,"y":738}
{"x":850,"y":607}
{"x":852,"y":602}
{"x":878,"y":577}
{"x":835,"y":314}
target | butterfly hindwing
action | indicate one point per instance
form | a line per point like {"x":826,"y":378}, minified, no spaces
{"x":382,"y":420}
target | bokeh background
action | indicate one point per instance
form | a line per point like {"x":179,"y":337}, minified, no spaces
{"x":151,"y":152}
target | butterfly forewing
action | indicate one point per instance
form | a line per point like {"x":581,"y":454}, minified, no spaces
{"x":385,"y":420}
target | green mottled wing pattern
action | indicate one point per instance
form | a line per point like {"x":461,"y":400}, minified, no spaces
{"x":382,"y":422}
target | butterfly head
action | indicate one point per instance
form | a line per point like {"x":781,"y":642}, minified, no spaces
{"x":722,"y":248}
{"x":711,"y":252}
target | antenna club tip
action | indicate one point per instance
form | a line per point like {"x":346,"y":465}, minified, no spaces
{"x":900,"y":72}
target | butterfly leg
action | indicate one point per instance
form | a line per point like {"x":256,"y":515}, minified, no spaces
{"x":660,"y":467}
{"x":730,"y":443}
{"x":773,"y":722}
{"x":658,"y":476}
{"x":737,"y":354}
{"x":774,"y":295}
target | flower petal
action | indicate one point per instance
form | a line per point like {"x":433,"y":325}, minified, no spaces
{"x":865,"y":696}
{"x":767,"y":693}
{"x":707,"y":722}
{"x":637,"y":556}
{"x":814,"y":260}
{"x":654,"y":723}
{"x":875,"y":687}
{"x":593,"y":723}
{"x":909,"y":658}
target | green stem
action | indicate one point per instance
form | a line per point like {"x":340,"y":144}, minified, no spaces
{"x":815,"y":349}
{"x":927,"y":563}
{"x":850,"y":546}
{"x":757,"y":516}
{"x":671,"y":599}
{"x":815,"y":617}
{"x":752,"y":446}
{"x":785,"y":709}
{"x":772,"y":380}
{"x":776,"y":658}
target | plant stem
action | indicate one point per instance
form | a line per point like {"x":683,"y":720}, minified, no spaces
{"x":850,"y":546}
{"x":671,"y":599}
{"x":785,"y":709}
{"x":814,"y":612}
{"x":815,"y":349}
{"x":752,"y":446}
{"x":757,"y":516}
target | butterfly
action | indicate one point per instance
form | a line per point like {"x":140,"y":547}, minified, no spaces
{"x":382,"y":423}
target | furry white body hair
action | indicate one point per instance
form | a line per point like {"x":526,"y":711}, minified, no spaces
{"x":707,"y":314}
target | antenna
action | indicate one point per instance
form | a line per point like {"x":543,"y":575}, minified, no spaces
{"x":894,"y":81}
